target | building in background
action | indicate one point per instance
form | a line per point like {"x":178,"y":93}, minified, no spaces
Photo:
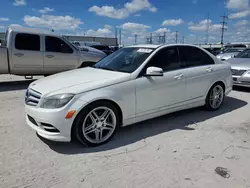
{"x":95,"y":40}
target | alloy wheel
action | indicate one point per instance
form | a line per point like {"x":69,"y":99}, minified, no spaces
{"x":216,"y":97}
{"x":99,"y":124}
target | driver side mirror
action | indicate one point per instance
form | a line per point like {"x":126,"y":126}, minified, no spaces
{"x":154,"y":71}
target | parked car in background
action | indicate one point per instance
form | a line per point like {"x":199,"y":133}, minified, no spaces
{"x":133,"y":84}
{"x":240,"y":66}
{"x":84,"y":43}
{"x":229,"y":53}
{"x":105,"y":48}
{"x":31,"y":52}
{"x":89,"y":49}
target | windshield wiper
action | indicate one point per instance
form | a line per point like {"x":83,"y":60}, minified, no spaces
{"x":104,"y":68}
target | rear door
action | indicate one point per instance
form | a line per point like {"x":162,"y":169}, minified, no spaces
{"x":58,"y":56}
{"x":200,"y":68}
{"x":26,"y":54}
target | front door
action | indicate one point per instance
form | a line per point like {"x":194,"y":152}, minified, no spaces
{"x":58,"y":56}
{"x":26,"y":54}
{"x":157,"y":92}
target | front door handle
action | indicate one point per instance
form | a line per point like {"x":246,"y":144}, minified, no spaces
{"x":19,"y":54}
{"x":49,"y":56}
{"x":178,"y":77}
{"x":209,"y":69}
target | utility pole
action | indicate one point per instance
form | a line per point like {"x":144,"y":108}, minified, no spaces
{"x":176,"y":37}
{"x":164,"y":38}
{"x":116,"y":36}
{"x":120,"y":36}
{"x":207,"y":29}
{"x":223,"y":27}
{"x":135,"y":38}
{"x":183,"y":39}
{"x":150,"y":42}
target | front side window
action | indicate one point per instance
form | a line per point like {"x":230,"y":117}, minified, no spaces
{"x":27,"y":42}
{"x":167,"y":59}
{"x":192,"y":56}
{"x":54,"y":44}
{"x":125,"y":59}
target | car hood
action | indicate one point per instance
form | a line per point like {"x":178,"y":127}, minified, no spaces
{"x":77,"y":81}
{"x":91,"y":49}
{"x":239,"y":63}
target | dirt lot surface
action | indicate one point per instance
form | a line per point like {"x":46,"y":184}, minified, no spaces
{"x":177,"y":151}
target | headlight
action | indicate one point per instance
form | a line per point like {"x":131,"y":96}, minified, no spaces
{"x":56,"y":101}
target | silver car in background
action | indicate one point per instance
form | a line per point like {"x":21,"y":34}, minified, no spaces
{"x":240,"y":67}
{"x":229,"y":53}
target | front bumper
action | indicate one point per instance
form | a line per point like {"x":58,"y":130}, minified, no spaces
{"x":51,"y":124}
{"x":243,"y":80}
{"x":60,"y":128}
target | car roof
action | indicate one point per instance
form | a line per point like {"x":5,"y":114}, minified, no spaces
{"x":157,"y":46}
{"x":32,"y":31}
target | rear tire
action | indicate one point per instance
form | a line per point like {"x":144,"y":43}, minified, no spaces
{"x":215,"y":97}
{"x":97,"y":123}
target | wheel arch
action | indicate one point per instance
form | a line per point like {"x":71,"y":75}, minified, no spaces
{"x":98,"y":100}
{"x":220,"y":82}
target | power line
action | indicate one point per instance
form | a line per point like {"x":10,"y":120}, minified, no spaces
{"x":223,"y":27}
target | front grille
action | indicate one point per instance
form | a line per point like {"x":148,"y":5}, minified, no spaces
{"x":238,"y":72}
{"x":32,"y":97}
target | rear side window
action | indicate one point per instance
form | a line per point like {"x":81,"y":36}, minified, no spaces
{"x":27,"y":42}
{"x":192,"y":56}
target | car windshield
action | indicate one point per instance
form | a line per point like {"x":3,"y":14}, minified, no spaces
{"x":125,"y":59}
{"x":233,"y":50}
{"x":244,"y":54}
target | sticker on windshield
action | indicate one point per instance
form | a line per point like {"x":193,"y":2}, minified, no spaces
{"x":144,"y":50}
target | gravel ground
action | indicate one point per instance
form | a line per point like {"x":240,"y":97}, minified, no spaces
{"x":178,"y":150}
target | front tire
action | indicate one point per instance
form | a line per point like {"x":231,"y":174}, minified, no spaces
{"x":215,"y":97}
{"x":97,"y":123}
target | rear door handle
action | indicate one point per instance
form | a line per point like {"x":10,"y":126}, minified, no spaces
{"x":49,"y":56}
{"x":209,"y":69}
{"x":178,"y":77}
{"x":19,"y":54}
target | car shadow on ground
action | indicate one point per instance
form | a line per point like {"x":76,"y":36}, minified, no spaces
{"x":149,"y":128}
{"x":14,"y":85}
{"x":241,"y":89}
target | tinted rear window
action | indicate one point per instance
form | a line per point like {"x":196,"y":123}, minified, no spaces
{"x":27,"y":42}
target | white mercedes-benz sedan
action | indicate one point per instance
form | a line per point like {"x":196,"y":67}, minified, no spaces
{"x":133,"y":84}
